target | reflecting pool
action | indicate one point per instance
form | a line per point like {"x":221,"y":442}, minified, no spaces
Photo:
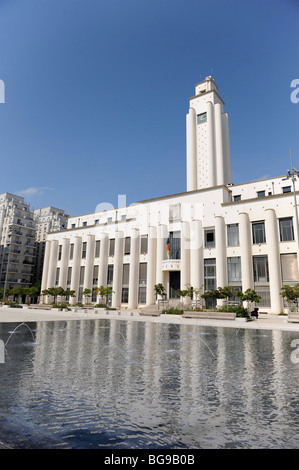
{"x":128,"y":384}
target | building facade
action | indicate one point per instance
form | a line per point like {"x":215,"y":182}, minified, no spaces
{"x":17,"y":244}
{"x":215,"y":234}
{"x":48,"y":219}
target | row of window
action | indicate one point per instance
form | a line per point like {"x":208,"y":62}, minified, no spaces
{"x":174,"y":240}
{"x":234,"y":273}
{"x":286,"y":232}
{"x":110,"y":272}
{"x":285,"y":189}
{"x":127,"y":247}
{"x":97,"y":221}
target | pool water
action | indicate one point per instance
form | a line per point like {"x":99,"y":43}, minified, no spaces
{"x":113,"y":384}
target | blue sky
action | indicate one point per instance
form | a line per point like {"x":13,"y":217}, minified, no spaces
{"x":96,"y":94}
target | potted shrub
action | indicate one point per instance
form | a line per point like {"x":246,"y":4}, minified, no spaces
{"x":160,"y":290}
{"x":250,"y":296}
{"x":291,"y":294}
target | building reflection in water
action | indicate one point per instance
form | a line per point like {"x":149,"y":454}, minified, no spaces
{"x":114,"y":383}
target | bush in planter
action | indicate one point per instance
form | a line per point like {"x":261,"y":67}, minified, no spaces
{"x":61,"y":306}
{"x":239,"y":310}
{"x":291,"y":295}
{"x":12,"y":304}
{"x":104,"y":306}
{"x":172,"y":311}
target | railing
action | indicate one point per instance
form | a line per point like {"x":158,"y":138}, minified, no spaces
{"x":163,"y":303}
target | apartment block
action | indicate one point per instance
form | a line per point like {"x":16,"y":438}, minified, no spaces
{"x":17,"y":242}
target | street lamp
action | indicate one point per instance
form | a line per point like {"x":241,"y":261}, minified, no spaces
{"x":292,"y":175}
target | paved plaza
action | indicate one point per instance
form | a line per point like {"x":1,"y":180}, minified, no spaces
{"x":265,"y":321}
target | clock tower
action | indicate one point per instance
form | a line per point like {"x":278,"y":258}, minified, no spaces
{"x":207,"y":139}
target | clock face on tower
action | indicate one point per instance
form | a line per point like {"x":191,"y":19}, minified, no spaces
{"x":201,"y":118}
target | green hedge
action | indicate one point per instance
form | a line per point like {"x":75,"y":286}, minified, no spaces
{"x":172,"y":311}
{"x":238,"y":310}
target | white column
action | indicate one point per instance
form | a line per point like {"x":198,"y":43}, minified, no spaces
{"x":161,"y":253}
{"x":117,"y":270}
{"x":196,"y":255}
{"x":219,"y":144}
{"x":46,"y":266}
{"x":134,"y":269}
{"x":77,"y":254}
{"x":221,"y":263}
{"x":64,"y":262}
{"x":273,"y":260}
{"x":211,"y":144}
{"x":191,"y":150}
{"x":185,"y":255}
{"x":52,"y":264}
{"x":151,"y":265}
{"x":227,"y":168}
{"x":246,"y":251}
{"x":103,"y":262}
{"x":90,"y":243}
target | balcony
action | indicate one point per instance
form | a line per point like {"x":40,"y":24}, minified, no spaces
{"x":30,"y":244}
{"x":171,"y":265}
{"x":30,"y":263}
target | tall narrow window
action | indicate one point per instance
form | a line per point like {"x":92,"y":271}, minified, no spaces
{"x":57,"y":277}
{"x":59,"y":252}
{"x":125,"y":284}
{"x":260,"y":269}
{"x":209,"y":238}
{"x":143,"y":244}
{"x":174,"y":245}
{"x":127,"y":246}
{"x":286,"y":229}
{"x":81,"y":282}
{"x":111,"y":246}
{"x":95,"y":275}
{"x":84,"y":250}
{"x":234,"y":269}
{"x":142,"y":273}
{"x":81,"y":277}
{"x":142,"y":283}
{"x":210,"y":273}
{"x":110,"y":275}
{"x":69,"y":276}
{"x":71,"y":251}
{"x":95,"y":283}
{"x":97,"y":250}
{"x":258,"y":232}
{"x":233,"y":235}
{"x":210,"y":279}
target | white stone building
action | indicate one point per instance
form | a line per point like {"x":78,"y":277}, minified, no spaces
{"x":48,"y":219}
{"x":215,"y":234}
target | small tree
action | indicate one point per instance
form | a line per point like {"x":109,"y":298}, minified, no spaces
{"x":103,"y":292}
{"x":290,"y":293}
{"x":182,"y":293}
{"x":225,"y":293}
{"x":249,"y":296}
{"x":159,"y":290}
{"x":54,"y":292}
{"x":87,"y":293}
{"x":212,"y":294}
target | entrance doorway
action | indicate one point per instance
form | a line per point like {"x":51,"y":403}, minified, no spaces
{"x":174,"y":283}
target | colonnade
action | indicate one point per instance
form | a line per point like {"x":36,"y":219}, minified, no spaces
{"x":190,"y":265}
